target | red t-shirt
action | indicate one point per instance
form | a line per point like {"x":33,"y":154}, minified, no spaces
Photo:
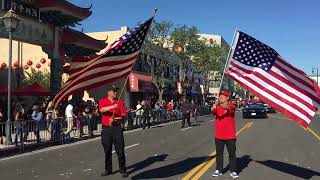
{"x":170,"y":107}
{"x":225,"y":127}
{"x":119,"y":112}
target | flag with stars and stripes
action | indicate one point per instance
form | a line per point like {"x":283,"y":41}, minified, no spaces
{"x":267,"y":75}
{"x":114,"y":63}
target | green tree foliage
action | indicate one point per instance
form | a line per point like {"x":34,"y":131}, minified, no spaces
{"x":40,"y":77}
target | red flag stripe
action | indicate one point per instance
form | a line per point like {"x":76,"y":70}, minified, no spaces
{"x":273,"y":94}
{"x":297,"y":72}
{"x":290,"y":86}
{"x":91,"y":86}
{"x":107,"y":64}
{"x":94,"y":75}
{"x":89,"y":83}
{"x":76,"y":67}
{"x":268,"y":80}
{"x":267,"y":100}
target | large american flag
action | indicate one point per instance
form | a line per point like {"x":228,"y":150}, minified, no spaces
{"x":262,"y":71}
{"x":114,"y":63}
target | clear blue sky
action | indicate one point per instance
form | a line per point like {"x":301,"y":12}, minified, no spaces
{"x":291,"y":27}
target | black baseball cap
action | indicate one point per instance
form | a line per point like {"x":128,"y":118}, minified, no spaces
{"x":113,"y":88}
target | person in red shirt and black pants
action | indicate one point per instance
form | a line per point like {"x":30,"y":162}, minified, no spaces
{"x":225,"y":133}
{"x":113,"y":111}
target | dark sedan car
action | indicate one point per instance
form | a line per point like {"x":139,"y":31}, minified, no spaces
{"x":254,"y":110}
{"x":269,"y":108}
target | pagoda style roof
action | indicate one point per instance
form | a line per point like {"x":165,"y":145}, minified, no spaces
{"x":79,"y":39}
{"x":62,"y":12}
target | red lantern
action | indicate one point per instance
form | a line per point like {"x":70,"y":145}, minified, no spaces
{"x":16,"y":64}
{"x":3,"y":65}
{"x":66,"y":68}
{"x":43,"y":60}
{"x":38,"y":65}
{"x":29,"y":63}
{"x":26,"y":67}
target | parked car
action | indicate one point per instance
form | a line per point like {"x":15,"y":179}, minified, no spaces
{"x":269,"y":108}
{"x":254,"y":110}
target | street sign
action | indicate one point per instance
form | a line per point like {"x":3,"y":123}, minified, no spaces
{"x":30,"y":31}
{"x":22,"y":8}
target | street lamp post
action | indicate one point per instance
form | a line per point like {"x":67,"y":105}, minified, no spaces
{"x":317,"y":74}
{"x":11,"y":22}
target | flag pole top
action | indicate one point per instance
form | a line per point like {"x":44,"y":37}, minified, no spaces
{"x":155,"y":11}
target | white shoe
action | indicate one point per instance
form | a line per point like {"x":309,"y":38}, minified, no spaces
{"x":234,"y":175}
{"x":216,"y":173}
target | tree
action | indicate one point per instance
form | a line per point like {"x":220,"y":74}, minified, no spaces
{"x":40,"y":77}
{"x":156,"y":45}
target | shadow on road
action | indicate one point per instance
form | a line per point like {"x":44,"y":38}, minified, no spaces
{"x":242,"y":163}
{"x":170,"y":170}
{"x":290,"y":169}
{"x":147,"y":162}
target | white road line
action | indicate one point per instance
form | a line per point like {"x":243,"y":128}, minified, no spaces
{"x":76,"y":143}
{"x":185,"y":128}
{"x":129,"y":147}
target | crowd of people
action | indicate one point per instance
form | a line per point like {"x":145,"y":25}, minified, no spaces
{"x":29,"y":120}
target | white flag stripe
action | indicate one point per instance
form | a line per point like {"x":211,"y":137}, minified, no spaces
{"x":296,"y":74}
{"x":297,"y":83}
{"x":92,"y":81}
{"x":98,"y":70}
{"x":274,"y":89}
{"x":102,"y":60}
{"x":277,"y":81}
{"x":294,"y":70}
{"x":270,"y":97}
{"x":75,"y":65}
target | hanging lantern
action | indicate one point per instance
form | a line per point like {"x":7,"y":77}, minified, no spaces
{"x":26,"y":67}
{"x":16,"y":64}
{"x":38,"y":65}
{"x":66,"y":68}
{"x":3,"y":66}
{"x":43,"y":60}
{"x":29,"y":63}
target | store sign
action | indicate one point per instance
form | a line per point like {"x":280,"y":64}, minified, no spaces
{"x":22,"y":8}
{"x":31,"y":31}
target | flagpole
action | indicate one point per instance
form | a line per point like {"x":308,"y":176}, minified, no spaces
{"x":228,"y":58}
{"x":127,"y":79}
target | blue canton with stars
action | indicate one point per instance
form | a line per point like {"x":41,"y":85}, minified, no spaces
{"x":254,"y":53}
{"x":131,"y":41}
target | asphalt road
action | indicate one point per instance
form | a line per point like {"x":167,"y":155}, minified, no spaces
{"x":273,"y":148}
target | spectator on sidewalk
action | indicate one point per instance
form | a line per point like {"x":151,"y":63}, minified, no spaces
{"x":37,"y":118}
{"x":139,"y":112}
{"x":146,"y":114}
{"x":69,"y":117}
{"x":2,"y":126}
{"x":193,"y":110}
{"x":170,"y":110}
{"x":18,"y":118}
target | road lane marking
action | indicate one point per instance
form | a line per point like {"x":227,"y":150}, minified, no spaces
{"x":185,"y":128}
{"x":129,"y":147}
{"x":198,"y":171}
{"x":313,"y":133}
{"x":306,"y":129}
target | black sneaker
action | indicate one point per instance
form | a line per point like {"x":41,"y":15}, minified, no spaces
{"x":124,"y":174}
{"x":106,"y":173}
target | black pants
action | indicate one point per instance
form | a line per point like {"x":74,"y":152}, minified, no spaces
{"x":146,"y":119}
{"x":185,"y":116}
{"x":231,"y":147}
{"x":113,"y":135}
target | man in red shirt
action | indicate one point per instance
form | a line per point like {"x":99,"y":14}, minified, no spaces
{"x":113,"y":111}
{"x":225,"y":133}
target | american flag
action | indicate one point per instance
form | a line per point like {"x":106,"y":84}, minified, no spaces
{"x":267,"y":75}
{"x":114,"y":63}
